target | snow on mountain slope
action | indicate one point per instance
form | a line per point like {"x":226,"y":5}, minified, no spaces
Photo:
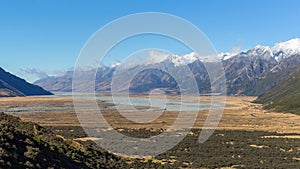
{"x":226,"y":56}
{"x":286,"y":49}
{"x":184,"y":59}
{"x":263,"y":52}
{"x":154,"y":57}
{"x":279,"y":52}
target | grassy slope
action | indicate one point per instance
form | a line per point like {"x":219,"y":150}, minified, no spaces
{"x":285,"y":97}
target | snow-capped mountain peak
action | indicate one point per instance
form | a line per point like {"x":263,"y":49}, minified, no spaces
{"x":285,"y":49}
{"x":225,"y":56}
{"x":263,"y":52}
{"x":292,"y":45}
{"x":114,"y":64}
{"x":184,"y":59}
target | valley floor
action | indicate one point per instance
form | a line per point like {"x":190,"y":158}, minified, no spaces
{"x":239,"y":114}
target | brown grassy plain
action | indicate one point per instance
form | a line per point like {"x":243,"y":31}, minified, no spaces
{"x":241,"y":114}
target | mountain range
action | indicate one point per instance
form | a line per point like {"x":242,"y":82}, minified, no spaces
{"x":251,"y":72}
{"x":11,"y":85}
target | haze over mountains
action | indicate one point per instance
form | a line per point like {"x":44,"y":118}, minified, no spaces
{"x":11,"y":85}
{"x":251,"y":72}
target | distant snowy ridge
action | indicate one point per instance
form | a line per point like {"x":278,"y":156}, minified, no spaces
{"x":278,"y":52}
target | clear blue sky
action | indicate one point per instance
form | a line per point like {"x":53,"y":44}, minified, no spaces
{"x":48,"y":34}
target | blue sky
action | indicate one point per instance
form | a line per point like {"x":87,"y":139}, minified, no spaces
{"x":47,"y":35}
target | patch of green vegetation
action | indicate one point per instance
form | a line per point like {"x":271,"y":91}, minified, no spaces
{"x":37,"y":139}
{"x":52,"y":148}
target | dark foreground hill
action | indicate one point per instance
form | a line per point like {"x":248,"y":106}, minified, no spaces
{"x":28,"y":145}
{"x":11,"y":85}
{"x":285,"y":97}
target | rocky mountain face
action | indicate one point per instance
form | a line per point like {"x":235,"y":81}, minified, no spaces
{"x":11,"y":85}
{"x":245,"y":67}
{"x":266,"y":67}
{"x":251,"y":72}
{"x":266,"y":81}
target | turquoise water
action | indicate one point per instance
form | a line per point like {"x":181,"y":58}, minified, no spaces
{"x":152,"y":103}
